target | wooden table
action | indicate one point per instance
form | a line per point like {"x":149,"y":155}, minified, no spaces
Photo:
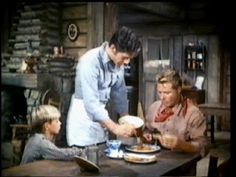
{"x":214,"y":110}
{"x":169,"y":163}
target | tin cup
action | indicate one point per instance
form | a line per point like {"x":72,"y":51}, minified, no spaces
{"x":92,"y":153}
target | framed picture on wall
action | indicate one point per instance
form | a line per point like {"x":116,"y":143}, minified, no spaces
{"x":73,"y":31}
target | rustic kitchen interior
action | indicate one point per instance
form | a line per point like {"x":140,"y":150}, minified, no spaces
{"x":41,"y":43}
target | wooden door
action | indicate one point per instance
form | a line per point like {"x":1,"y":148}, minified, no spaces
{"x":156,"y":56}
{"x":224,"y":123}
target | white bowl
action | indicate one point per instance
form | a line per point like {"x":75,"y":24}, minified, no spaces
{"x":137,"y":122}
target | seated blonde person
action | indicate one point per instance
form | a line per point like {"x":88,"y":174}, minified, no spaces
{"x":45,"y":126}
{"x":181,"y":124}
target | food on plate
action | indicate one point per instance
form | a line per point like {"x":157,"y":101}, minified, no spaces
{"x":144,"y":148}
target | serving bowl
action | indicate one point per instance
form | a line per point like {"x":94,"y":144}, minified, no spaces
{"x":137,"y":122}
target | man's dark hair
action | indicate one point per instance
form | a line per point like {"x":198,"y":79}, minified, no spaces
{"x":125,"y":40}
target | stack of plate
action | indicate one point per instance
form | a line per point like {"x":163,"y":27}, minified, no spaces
{"x":141,"y":153}
{"x":140,"y":158}
{"x":137,"y":153}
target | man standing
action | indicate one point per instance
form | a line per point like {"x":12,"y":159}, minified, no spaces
{"x":100,"y":77}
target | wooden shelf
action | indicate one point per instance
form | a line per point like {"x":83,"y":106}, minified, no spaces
{"x":25,"y":80}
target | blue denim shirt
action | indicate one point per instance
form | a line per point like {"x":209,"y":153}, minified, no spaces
{"x":98,"y":80}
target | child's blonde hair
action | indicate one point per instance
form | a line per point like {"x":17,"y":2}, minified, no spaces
{"x":42,"y":114}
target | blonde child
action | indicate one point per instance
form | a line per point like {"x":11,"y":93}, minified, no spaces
{"x":45,"y":126}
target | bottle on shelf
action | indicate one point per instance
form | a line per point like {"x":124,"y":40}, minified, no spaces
{"x":188,"y":55}
{"x":193,"y":52}
{"x":201,"y":54}
{"x":188,"y":52}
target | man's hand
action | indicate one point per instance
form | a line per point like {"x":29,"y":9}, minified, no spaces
{"x":174,"y":143}
{"x":124,"y":130}
{"x":147,"y":136}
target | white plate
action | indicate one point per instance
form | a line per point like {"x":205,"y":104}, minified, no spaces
{"x":115,"y":156}
{"x":140,"y":158}
{"x":137,"y":122}
{"x":145,"y":148}
{"x":86,"y":164}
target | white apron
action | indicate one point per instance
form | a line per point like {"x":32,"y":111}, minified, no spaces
{"x":80,"y":129}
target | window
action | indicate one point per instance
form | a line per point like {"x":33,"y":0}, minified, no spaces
{"x":157,"y":54}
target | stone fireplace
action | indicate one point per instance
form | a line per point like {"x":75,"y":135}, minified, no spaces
{"x":21,"y":94}
{"x":34,"y":32}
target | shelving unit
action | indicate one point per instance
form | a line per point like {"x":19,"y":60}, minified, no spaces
{"x":195,"y":59}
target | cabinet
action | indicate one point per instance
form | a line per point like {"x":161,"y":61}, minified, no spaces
{"x":195,"y":56}
{"x":195,"y":59}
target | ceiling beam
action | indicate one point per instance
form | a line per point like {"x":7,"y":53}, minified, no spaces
{"x":167,"y":10}
{"x":140,"y":18}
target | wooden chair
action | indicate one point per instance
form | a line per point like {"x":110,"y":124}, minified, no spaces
{"x":20,"y":133}
{"x":224,"y":169}
{"x":212,"y":168}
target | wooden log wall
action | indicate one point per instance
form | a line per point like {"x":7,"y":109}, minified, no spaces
{"x":110,"y":20}
{"x":89,"y":18}
{"x":76,"y":13}
{"x":38,"y":22}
